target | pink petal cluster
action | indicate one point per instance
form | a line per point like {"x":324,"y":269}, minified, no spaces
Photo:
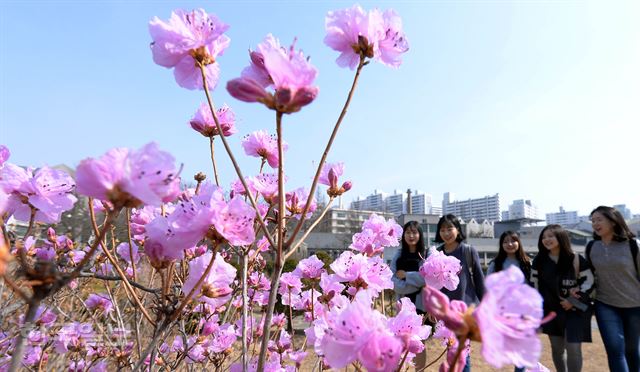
{"x":100,"y":302}
{"x":204,"y":123}
{"x":216,"y":286}
{"x":193,"y":218}
{"x":262,"y":145}
{"x":407,"y":325}
{"x":357,"y":332}
{"x":329,"y":176}
{"x":47,"y":190}
{"x":130,"y":178}
{"x":309,"y":268}
{"x":508,"y":317}
{"x":285,"y":70}
{"x":362,"y":272}
{"x":357,"y":35}
{"x":440,"y":270}
{"x":267,"y":185}
{"x":186,"y":39}
{"x":296,"y":201}
{"x":377,"y":233}
{"x":74,"y":337}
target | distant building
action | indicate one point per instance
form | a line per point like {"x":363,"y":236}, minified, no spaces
{"x":420,"y":203}
{"x":436,"y":210}
{"x":395,"y":203}
{"x":346,"y":221}
{"x":480,"y":209}
{"x":522,"y":209}
{"x":518,"y":224}
{"x":373,"y":202}
{"x":563,"y":217}
{"x":626,"y":212}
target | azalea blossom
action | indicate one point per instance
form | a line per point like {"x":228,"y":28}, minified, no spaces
{"x":377,"y":233}
{"x":186,"y":40}
{"x":130,"y":178}
{"x":262,"y":145}
{"x":204,"y":123}
{"x":310,"y":268}
{"x":329,"y":176}
{"x":48,"y":191}
{"x":440,"y":270}
{"x":407,"y":325}
{"x":99,"y":302}
{"x":285,"y":70}
{"x":295,"y":202}
{"x":359,"y":35}
{"x":362,"y":272}
{"x":216,"y":286}
{"x":508,"y":317}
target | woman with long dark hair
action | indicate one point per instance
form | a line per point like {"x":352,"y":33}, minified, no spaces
{"x":614,"y":257}
{"x":405,"y":265}
{"x":564,"y":281}
{"x":511,"y":253}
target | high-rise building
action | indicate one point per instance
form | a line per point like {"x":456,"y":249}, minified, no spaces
{"x":486,"y":208}
{"x":563,"y":217}
{"x":395,"y":203}
{"x":420,"y":203}
{"x":346,"y":221}
{"x":522,"y":209}
{"x":626,"y":212}
{"x":373,"y":202}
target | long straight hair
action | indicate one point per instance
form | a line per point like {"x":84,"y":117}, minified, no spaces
{"x":621,"y":232}
{"x":521,"y":256}
{"x":565,"y":259}
{"x":420,"y":247}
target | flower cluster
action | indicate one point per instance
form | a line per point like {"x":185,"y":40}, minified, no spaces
{"x":440,"y":270}
{"x":377,"y":233}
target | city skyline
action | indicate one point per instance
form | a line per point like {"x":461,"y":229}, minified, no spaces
{"x":485,"y":101}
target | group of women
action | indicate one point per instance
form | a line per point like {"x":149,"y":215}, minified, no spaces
{"x":606,"y":280}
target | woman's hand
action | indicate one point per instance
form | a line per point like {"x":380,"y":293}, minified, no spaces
{"x":566,"y":305}
{"x":401,"y":274}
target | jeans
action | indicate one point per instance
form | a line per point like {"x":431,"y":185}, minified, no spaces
{"x":620,"y":331}
{"x":467,"y":367}
{"x":571,"y":361}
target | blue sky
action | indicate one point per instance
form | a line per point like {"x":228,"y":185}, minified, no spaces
{"x":533,"y":99}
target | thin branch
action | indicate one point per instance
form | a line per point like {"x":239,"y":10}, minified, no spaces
{"x":213,"y":161}
{"x":231,"y":157}
{"x":118,"y":278}
{"x":326,"y":150}
{"x":295,"y":246}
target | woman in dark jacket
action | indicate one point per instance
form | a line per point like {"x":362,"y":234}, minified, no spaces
{"x":564,"y":280}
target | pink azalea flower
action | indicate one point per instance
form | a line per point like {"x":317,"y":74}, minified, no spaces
{"x":73,"y":337}
{"x":223,"y":339}
{"x":329,"y":176}
{"x":237,"y":188}
{"x":267,"y":185}
{"x":297,"y":357}
{"x":440,"y":270}
{"x":130,"y":178}
{"x":451,"y":313}
{"x":508,"y":317}
{"x":124,"y":251}
{"x":357,"y":34}
{"x":394,"y":43}
{"x":47,"y":190}
{"x":187,"y":38}
{"x":310,"y":268}
{"x":377,"y":233}
{"x":381,"y":352}
{"x":140,"y":217}
{"x":234,"y":221}
{"x":286,"y":70}
{"x":203,"y":121}
{"x":348,"y":331}
{"x":99,"y":302}
{"x":295,"y":202}
{"x":407,"y":325}
{"x":363,"y":272}
{"x":261,"y":144}
{"x":289,"y":283}
{"x":216,"y":286}
{"x":4,"y":154}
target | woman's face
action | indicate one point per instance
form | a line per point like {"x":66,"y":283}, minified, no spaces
{"x":601,"y":225}
{"x":448,"y":233}
{"x":411,"y":236}
{"x":550,"y":241}
{"x":510,"y":245}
